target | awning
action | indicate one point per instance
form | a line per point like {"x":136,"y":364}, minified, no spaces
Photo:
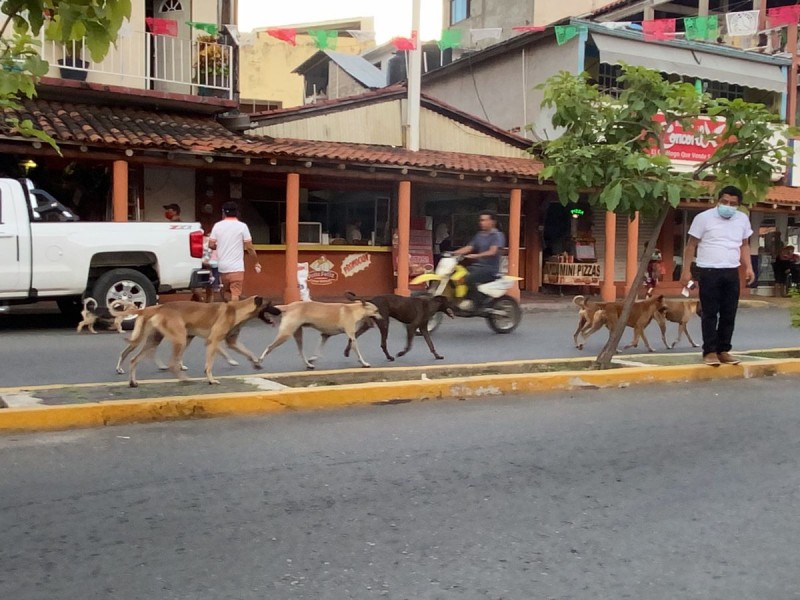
{"x":692,"y":63}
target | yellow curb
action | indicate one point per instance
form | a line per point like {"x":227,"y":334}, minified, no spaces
{"x":324,"y":397}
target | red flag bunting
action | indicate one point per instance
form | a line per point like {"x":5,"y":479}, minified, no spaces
{"x":528,"y":28}
{"x":783,"y":15}
{"x":659,"y":29}
{"x":162,"y":26}
{"x":401,"y":43}
{"x":287,"y":34}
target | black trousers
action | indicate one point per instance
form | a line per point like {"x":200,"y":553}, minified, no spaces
{"x":719,"y":299}
{"x":478,"y":274}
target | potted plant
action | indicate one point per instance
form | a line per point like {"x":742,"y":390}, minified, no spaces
{"x":72,"y":67}
{"x":211,"y":66}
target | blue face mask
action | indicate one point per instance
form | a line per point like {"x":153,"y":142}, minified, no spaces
{"x":726,"y":212}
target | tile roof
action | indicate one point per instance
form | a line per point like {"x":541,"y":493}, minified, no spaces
{"x":137,"y":129}
{"x":783,"y":194}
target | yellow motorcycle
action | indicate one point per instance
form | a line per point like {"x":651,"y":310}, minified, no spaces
{"x":501,"y":311}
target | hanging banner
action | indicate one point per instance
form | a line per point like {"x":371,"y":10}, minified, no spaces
{"x":323,"y":39}
{"x":528,"y":28}
{"x":783,"y":15}
{"x":617,"y":25}
{"x":742,"y":23}
{"x":451,"y":38}
{"x":402,"y":43}
{"x":209,"y":28}
{"x":286,"y":34}
{"x":659,"y":29}
{"x":565,"y":33}
{"x":362,"y":37}
{"x":701,"y":28}
{"x":162,"y":26}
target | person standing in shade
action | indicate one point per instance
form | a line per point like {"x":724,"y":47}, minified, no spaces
{"x":720,"y":237}
{"x":172,"y":212}
{"x":231,"y":239}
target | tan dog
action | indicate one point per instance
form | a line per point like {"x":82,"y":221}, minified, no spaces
{"x":585,"y":316}
{"x":179,"y":322}
{"x":329,"y":318}
{"x":680,"y":312}
{"x":642,"y":313}
{"x":89,"y":317}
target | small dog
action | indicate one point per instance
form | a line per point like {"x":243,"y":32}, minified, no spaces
{"x":89,"y":317}
{"x":642,"y":313}
{"x":181,"y":321}
{"x":329,"y":318}
{"x":415,"y":312}
{"x":680,"y":312}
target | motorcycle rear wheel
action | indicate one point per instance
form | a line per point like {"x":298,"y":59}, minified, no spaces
{"x":505,"y":315}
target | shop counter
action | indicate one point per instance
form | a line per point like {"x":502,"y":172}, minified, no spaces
{"x":332,"y":270}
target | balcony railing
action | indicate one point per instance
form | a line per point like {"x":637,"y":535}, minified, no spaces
{"x":147,"y":61}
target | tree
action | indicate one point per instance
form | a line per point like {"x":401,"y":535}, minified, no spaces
{"x":611,"y":149}
{"x":98,"y":21}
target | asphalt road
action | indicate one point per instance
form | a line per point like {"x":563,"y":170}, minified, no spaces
{"x":44,"y":348}
{"x":648,"y":493}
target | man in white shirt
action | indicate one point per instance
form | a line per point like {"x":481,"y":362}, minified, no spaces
{"x":720,"y":236}
{"x":231,"y":238}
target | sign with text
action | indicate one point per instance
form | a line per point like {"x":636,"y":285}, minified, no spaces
{"x":693,"y":145}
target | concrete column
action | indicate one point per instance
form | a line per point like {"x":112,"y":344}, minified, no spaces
{"x":292,"y":293}
{"x":514,"y":225}
{"x":607,"y":290}
{"x":791,"y":48}
{"x":119,"y":193}
{"x":533,"y":245}
{"x":632,"y":255}
{"x":403,"y":237}
{"x":702,"y":8}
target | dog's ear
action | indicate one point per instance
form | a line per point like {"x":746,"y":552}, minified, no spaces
{"x":258,"y":300}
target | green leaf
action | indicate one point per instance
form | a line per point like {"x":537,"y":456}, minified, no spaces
{"x":610,"y":196}
{"x":673,"y":194}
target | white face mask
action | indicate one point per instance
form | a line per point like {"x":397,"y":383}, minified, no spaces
{"x":726,"y":212}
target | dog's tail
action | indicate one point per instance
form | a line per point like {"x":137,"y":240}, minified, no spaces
{"x":351,"y":297}
{"x":579,"y":301}
{"x":123,"y":308}
{"x":87,"y":301}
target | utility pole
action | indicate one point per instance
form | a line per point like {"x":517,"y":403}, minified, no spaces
{"x":414,"y":83}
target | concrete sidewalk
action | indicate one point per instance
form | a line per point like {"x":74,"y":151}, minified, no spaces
{"x":34,"y":408}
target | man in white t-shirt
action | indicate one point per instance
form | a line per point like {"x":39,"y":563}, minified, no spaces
{"x":720,"y":236}
{"x":231,"y":239}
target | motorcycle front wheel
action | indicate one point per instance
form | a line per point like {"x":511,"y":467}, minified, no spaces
{"x":504,"y":315}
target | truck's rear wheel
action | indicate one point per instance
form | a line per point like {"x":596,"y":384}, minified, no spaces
{"x":128,"y":285}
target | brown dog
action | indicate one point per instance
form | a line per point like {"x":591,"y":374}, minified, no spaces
{"x":89,"y":317}
{"x":680,"y":312}
{"x":329,"y":318}
{"x":642,"y":313}
{"x":179,"y":322}
{"x":415,"y":312}
{"x":585,"y":316}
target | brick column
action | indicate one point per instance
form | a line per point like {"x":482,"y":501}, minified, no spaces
{"x":607,"y":291}
{"x":119,"y":193}
{"x":514,"y":225}
{"x":403,"y":237}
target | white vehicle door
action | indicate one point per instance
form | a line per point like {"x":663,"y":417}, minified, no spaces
{"x":15,"y":242}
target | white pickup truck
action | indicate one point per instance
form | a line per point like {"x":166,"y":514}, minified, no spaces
{"x":46,"y":255}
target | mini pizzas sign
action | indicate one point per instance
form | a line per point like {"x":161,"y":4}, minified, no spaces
{"x":355,"y":263}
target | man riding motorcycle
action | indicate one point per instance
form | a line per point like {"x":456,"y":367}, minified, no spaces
{"x":485,"y":250}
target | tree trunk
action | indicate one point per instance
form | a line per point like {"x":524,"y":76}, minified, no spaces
{"x":603,"y":360}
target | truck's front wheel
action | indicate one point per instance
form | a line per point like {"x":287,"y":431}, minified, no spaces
{"x":128,"y":285}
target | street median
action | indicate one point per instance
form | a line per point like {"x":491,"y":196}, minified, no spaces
{"x":92,"y":405}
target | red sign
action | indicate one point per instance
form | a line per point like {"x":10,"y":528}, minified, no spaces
{"x":697,"y":144}
{"x":420,"y":252}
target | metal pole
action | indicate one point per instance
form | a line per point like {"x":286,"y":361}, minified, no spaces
{"x":414,"y":84}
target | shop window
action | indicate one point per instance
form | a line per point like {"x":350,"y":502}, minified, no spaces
{"x":459,"y":10}
{"x":723,"y":89}
{"x":607,"y":79}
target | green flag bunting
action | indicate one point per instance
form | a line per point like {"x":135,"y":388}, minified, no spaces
{"x":565,"y":33}
{"x":209,"y":28}
{"x":324,"y":39}
{"x":451,"y":38}
{"x":701,"y":28}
